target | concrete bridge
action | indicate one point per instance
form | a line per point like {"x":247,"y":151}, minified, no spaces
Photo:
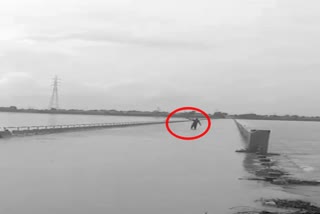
{"x":34,"y":130}
{"x":256,"y":140}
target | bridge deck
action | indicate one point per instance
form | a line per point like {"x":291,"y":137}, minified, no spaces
{"x":33,"y":130}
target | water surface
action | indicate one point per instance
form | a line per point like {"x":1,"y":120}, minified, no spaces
{"x":138,"y":170}
{"x":299,"y":145}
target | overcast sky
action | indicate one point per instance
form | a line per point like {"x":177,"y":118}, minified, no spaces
{"x":236,"y":56}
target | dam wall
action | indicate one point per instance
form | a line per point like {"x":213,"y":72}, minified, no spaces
{"x":256,"y":140}
{"x":35,"y":130}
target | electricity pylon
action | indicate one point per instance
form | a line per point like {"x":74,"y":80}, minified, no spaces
{"x":54,"y":101}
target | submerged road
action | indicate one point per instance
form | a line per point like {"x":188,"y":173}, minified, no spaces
{"x":137,"y":170}
{"x":35,"y":130}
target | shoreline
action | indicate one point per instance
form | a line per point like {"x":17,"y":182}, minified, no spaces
{"x":107,"y":113}
{"x":156,"y":113}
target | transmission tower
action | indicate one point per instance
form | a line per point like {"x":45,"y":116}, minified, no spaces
{"x":54,"y":101}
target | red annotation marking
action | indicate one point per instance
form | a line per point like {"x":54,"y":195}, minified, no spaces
{"x":193,"y":109}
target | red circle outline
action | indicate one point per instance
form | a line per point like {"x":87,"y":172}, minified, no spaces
{"x":188,"y":108}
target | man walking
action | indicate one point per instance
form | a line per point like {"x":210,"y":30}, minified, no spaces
{"x":195,"y":123}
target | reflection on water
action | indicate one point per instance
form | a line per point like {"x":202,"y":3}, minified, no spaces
{"x":250,"y":163}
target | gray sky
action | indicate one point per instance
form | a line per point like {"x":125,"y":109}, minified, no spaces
{"x":236,"y":56}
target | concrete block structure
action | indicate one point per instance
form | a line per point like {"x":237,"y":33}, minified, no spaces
{"x":256,"y":140}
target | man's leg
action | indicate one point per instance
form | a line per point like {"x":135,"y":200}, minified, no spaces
{"x":193,"y":126}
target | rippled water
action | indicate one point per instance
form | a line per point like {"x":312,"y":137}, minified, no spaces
{"x":137,"y":170}
{"x":299,"y":146}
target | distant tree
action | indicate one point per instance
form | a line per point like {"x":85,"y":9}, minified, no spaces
{"x":219,"y":115}
{"x":13,"y":108}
